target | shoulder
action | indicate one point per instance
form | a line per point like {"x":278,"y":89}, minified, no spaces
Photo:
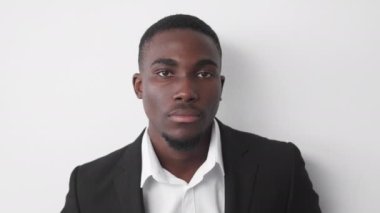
{"x":103,"y":164}
{"x":111,"y":164}
{"x":278,"y":166}
{"x":262,"y":148}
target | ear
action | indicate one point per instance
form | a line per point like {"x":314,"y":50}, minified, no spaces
{"x":222,"y":79}
{"x":137,"y":85}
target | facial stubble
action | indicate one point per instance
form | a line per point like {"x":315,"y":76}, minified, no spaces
{"x":182,"y":144}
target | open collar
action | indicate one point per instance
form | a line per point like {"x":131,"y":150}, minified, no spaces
{"x":240,"y":173}
{"x":151,"y":166}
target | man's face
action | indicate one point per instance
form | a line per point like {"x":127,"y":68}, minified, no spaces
{"x":180,"y":83}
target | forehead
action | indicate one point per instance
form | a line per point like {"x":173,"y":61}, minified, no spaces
{"x":180,"y":44}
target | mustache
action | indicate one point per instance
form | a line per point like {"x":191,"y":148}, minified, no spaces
{"x":185,"y":109}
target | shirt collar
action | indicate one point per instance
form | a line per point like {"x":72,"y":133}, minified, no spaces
{"x":151,"y":166}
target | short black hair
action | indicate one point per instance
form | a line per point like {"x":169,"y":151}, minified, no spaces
{"x":178,"y":21}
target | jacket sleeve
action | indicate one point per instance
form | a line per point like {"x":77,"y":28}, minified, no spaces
{"x":72,"y":205}
{"x":302,"y":197}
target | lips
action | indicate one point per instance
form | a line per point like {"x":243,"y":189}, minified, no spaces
{"x":184,"y":115}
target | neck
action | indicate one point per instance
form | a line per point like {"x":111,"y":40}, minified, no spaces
{"x":182,"y":164}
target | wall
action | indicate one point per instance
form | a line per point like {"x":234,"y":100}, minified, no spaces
{"x":298,"y":71}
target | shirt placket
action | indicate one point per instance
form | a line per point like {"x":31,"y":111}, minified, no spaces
{"x":188,"y":201}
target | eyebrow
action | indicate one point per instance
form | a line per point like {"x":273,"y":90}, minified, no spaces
{"x":165,"y":61}
{"x":171,"y":62}
{"x":205,"y":62}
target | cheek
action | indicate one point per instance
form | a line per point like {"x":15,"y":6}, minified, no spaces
{"x":153,"y":100}
{"x":212,"y":97}
{"x":214,"y":90}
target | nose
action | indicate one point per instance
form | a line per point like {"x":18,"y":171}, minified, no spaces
{"x":186,"y":91}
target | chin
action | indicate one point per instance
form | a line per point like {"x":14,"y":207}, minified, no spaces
{"x":183,"y":143}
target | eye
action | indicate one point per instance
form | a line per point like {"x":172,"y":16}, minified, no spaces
{"x":164,"y":73}
{"x":205,"y":74}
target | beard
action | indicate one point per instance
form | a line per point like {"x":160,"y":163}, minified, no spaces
{"x":182,"y":144}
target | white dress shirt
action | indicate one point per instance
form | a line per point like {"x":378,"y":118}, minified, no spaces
{"x":165,"y":193}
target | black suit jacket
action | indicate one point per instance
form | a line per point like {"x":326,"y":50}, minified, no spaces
{"x":261,"y":176}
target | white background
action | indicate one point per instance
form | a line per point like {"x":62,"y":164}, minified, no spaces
{"x":300,"y":71}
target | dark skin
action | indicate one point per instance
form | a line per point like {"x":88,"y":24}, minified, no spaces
{"x":181,"y":86}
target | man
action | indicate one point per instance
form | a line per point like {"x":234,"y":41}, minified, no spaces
{"x":186,"y":160}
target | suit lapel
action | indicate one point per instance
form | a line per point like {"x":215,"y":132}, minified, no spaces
{"x":127,"y":183}
{"x":240,"y":171}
